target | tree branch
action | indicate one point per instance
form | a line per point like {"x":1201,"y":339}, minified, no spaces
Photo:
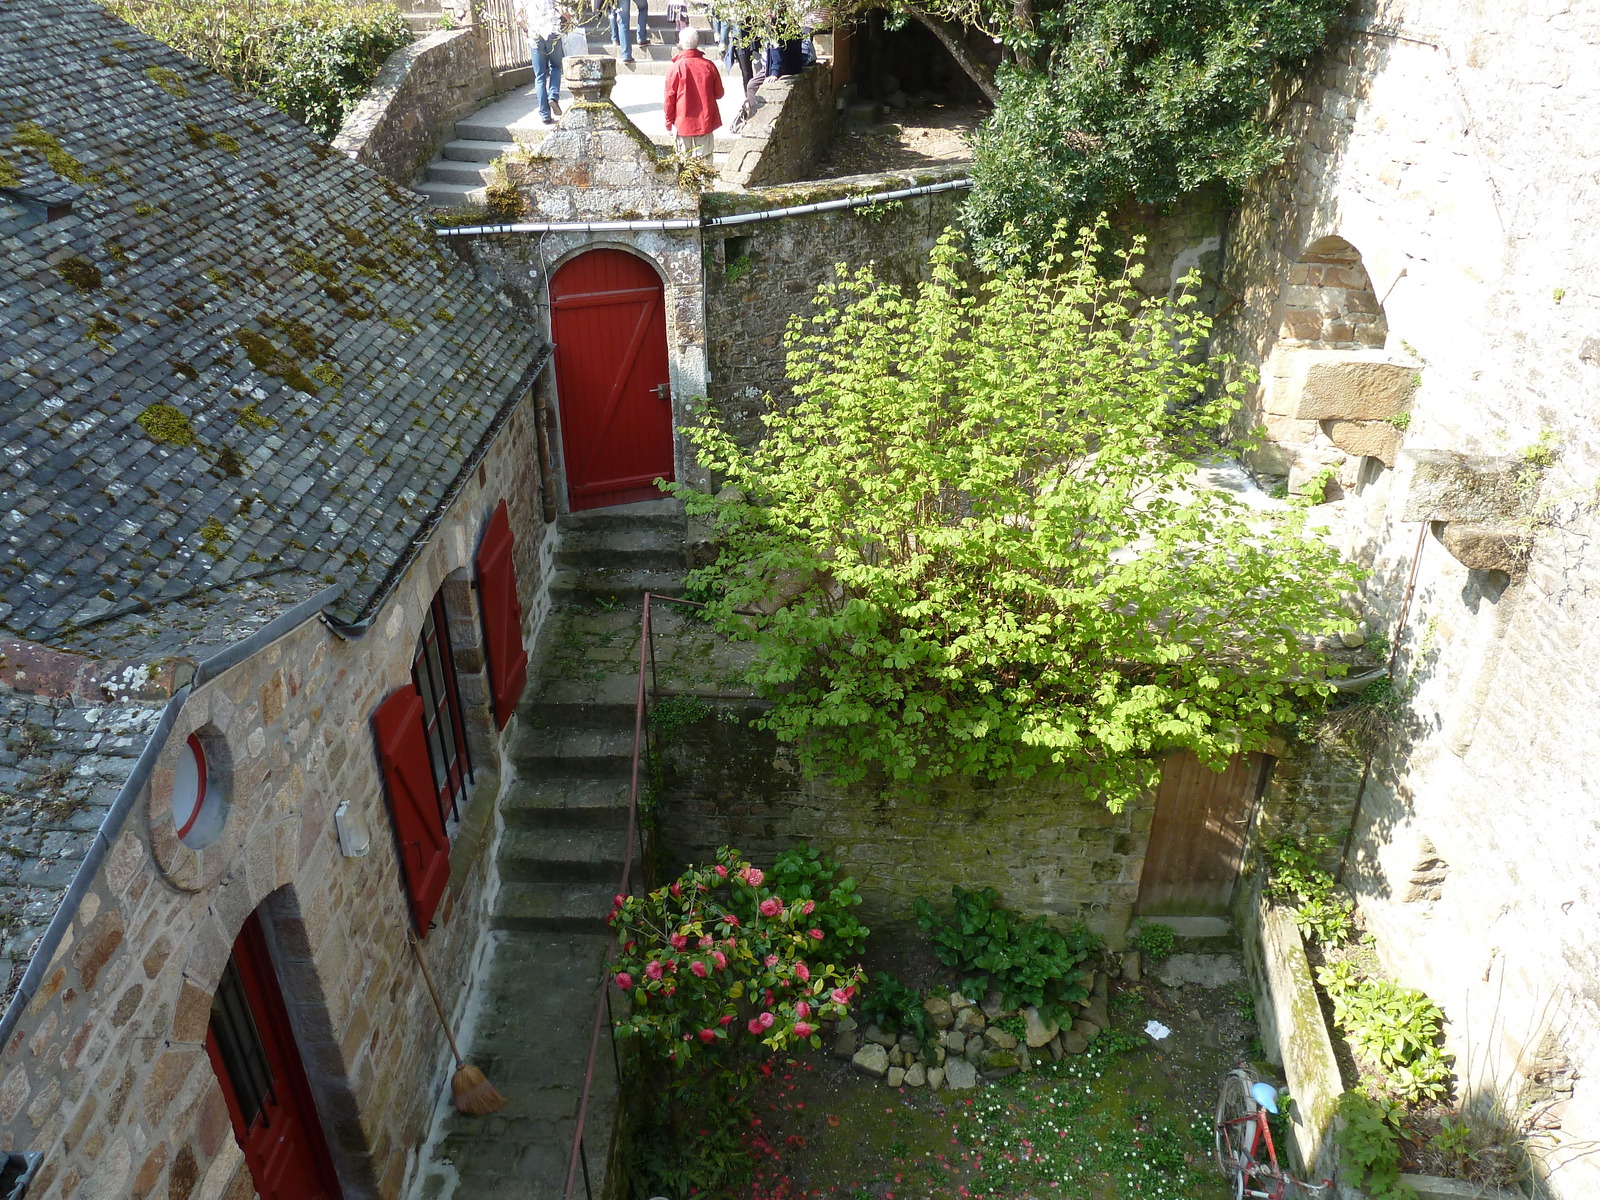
{"x":954,"y":41}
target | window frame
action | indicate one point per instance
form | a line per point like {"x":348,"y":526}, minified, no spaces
{"x":433,"y":674}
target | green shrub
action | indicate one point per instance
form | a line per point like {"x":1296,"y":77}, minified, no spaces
{"x":1155,"y":941}
{"x":890,"y":1004}
{"x":1395,"y":1028}
{"x":1295,"y":877}
{"x":314,"y":59}
{"x":1029,"y":962}
{"x":1370,"y":1141}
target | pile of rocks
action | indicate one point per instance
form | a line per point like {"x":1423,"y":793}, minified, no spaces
{"x":967,"y":1043}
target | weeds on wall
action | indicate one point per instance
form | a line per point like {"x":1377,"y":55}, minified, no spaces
{"x":1369,"y":1141}
{"x":1295,"y":878}
{"x":1395,"y":1032}
{"x":313,"y":59}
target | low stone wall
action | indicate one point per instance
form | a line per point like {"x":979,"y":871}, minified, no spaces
{"x":1293,"y":1031}
{"x":1046,"y":849}
{"x":787,"y":133}
{"x":421,"y":92}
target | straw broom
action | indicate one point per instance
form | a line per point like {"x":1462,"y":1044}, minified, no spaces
{"x":471,"y":1092}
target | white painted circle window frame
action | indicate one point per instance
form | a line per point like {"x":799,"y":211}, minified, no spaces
{"x":189,"y":805}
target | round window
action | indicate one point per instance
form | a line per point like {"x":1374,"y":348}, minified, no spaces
{"x":197,"y":807}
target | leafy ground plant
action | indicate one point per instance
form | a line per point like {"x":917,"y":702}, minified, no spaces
{"x":890,"y":1004}
{"x":992,"y":555}
{"x":1155,"y":940}
{"x":1370,"y":1141}
{"x":1028,"y":962}
{"x":1296,"y":877}
{"x":1395,"y":1029}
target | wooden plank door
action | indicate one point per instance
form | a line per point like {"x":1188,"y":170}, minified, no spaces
{"x":608,"y":320}
{"x":257,"y":1061}
{"x":1197,"y":835}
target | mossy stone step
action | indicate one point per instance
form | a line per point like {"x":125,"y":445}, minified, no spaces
{"x":553,"y":907}
{"x":561,"y":855}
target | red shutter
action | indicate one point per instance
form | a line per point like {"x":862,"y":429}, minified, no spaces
{"x":413,"y":801}
{"x":502,"y":616}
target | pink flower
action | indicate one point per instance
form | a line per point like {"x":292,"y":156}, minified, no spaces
{"x":686,"y":1037}
{"x":721,"y":959}
{"x":629,"y":947}
{"x":677,"y":890}
{"x":721,"y":870}
{"x":754,"y":1026}
{"x":801,"y":1029}
{"x":771,"y":906}
{"x":698,"y":969}
{"x":805,"y":909}
{"x":732,"y":920}
{"x":752,"y":876}
{"x":618,"y":900}
{"x":771,"y":960}
{"x":624,"y":980}
{"x":817,"y":934}
{"x":803,"y":971}
{"x":841,"y":995}
{"x":652,"y":969}
{"x":708,"y":1035}
{"x":669,"y":989}
{"x":678,"y":941}
{"x":766,"y":1020}
{"x":727,"y":1018}
{"x":705,"y":942}
{"x":802,"y":1010}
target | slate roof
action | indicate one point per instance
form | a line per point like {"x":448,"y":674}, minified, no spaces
{"x":239,"y":357}
{"x":62,"y":763}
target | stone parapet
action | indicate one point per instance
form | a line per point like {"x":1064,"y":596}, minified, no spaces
{"x":423,"y":89}
{"x":790,"y":128}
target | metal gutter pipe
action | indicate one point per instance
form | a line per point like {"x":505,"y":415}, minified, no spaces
{"x":111,"y":825}
{"x":769,"y":214}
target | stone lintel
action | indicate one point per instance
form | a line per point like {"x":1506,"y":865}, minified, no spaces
{"x":1487,"y":547}
{"x":1312,"y":384}
{"x":1449,"y":486}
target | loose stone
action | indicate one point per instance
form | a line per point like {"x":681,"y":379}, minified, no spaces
{"x":844,"y":1046}
{"x":997,"y":1064}
{"x":935,"y":1078}
{"x":960,"y":1074}
{"x":872,"y":1059}
{"x":958,"y":1002}
{"x":993,"y":1003}
{"x":1085,"y":1027}
{"x":996,"y":1036}
{"x":1056,"y":1052}
{"x":908,"y":1043}
{"x":970,"y":1020}
{"x":882,"y":1037}
{"x":1039,"y":1031}
{"x":916,"y":1075}
{"x":939,"y":1012}
{"x":1131,"y":967}
{"x":896,"y":1077}
{"x":1073,"y":1042}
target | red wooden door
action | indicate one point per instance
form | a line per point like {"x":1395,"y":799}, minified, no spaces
{"x":1197,"y":835}
{"x":254,"y":1053}
{"x":609,"y":323}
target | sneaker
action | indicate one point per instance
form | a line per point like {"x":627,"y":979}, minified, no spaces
{"x":548,"y":120}
{"x":642,"y":40}
{"x":555,"y":108}
{"x":629,"y":60}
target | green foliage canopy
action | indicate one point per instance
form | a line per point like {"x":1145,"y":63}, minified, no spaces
{"x":1140,"y":100}
{"x":313,"y":59}
{"x":982,"y":546}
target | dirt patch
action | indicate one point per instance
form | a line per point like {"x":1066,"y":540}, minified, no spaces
{"x":903,"y":139}
{"x":1132,"y":1117}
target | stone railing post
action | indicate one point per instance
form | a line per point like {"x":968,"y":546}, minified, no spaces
{"x":590,"y":77}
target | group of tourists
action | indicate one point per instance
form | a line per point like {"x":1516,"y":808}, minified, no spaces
{"x":694,"y":82}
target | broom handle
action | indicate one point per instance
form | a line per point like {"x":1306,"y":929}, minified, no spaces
{"x":438,"y":1005}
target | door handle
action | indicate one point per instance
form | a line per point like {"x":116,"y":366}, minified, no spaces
{"x":663,"y":391}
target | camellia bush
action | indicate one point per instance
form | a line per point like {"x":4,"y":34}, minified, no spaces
{"x":984,"y":547}
{"x":714,"y":989}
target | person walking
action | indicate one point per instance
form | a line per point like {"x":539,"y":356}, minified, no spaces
{"x":694,"y":85}
{"x":620,"y":33}
{"x":544,"y":20}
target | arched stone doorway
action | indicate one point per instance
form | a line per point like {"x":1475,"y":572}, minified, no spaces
{"x":608,"y":323}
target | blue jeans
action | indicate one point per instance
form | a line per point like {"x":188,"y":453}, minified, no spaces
{"x":644,"y":16}
{"x":546,"y":71}
{"x":620,"y":33}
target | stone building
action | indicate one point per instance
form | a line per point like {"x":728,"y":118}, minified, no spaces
{"x":1413,"y":282}
{"x":263,"y":440}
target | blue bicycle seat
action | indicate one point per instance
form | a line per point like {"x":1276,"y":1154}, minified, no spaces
{"x":1265,"y":1095}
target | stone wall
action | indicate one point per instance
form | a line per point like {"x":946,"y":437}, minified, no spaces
{"x":422,"y":90}
{"x":1451,"y":147}
{"x":107,"y":1072}
{"x":788,"y":131}
{"x":1047,"y":850}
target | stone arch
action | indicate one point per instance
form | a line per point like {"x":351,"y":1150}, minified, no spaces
{"x":1330,"y":302}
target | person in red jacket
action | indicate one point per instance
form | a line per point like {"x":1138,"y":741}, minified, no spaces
{"x":694,"y":85}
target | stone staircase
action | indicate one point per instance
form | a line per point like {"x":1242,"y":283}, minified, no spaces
{"x":461,"y":173}
{"x":564,"y":808}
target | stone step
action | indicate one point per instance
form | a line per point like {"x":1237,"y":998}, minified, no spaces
{"x":569,"y":753}
{"x":602,"y":587}
{"x":473,"y":174}
{"x":471,"y":150}
{"x":647,"y":546}
{"x":566,"y":803}
{"x":562,"y":855}
{"x":604,"y":704}
{"x":554,"y":907}
{"x":1186,"y":927}
{"x":453,"y":195}
{"x":665,"y":513}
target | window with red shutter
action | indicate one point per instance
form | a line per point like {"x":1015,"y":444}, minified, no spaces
{"x":413,"y":801}
{"x":502,"y":616}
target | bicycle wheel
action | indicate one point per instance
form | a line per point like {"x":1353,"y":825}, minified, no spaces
{"x":1236,"y":1129}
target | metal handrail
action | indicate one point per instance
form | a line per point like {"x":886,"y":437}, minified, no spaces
{"x":577,"y":1160}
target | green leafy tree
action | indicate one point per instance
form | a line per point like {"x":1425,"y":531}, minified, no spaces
{"x":982,"y":545}
{"x":1133,"y":100}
